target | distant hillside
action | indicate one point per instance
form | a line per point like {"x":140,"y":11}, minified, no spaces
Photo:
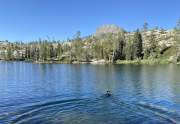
{"x":108,"y":44}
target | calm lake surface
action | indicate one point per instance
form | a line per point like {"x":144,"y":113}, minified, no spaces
{"x":75,"y":94}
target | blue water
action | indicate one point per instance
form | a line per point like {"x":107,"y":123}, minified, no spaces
{"x":75,"y":94}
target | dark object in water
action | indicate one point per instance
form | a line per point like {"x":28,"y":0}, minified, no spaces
{"x":108,"y":93}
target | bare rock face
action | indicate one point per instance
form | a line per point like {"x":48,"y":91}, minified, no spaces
{"x":163,"y":38}
{"x":105,"y":29}
{"x":102,"y":61}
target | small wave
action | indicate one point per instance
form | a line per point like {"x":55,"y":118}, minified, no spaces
{"x":32,"y":110}
{"x":170,"y":115}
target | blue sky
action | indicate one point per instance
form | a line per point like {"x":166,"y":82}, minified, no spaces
{"x":28,"y":20}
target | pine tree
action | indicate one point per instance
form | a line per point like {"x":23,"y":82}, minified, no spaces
{"x":153,"y":48}
{"x":9,"y":53}
{"x":119,"y":53}
{"x":129,"y":49}
{"x":59,"y":51}
{"x":138,"y":45}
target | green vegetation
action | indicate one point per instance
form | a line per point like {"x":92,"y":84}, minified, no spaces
{"x":145,"y":61}
{"x":110,"y":44}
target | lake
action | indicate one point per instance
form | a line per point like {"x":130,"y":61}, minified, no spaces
{"x":75,"y":94}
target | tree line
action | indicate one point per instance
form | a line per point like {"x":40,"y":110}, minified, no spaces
{"x":110,"y":47}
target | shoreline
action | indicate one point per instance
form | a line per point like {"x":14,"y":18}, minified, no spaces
{"x":103,"y":62}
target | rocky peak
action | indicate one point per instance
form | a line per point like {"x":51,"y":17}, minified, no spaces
{"x":105,"y":29}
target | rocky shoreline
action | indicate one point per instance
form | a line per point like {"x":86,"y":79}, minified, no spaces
{"x":103,"y":62}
